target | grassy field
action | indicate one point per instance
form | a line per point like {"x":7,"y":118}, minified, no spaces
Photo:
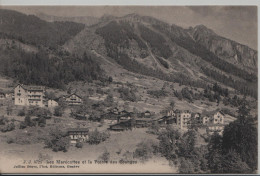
{"x":117,"y":145}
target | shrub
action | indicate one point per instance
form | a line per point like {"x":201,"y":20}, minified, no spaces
{"x":28,"y":121}
{"x":22,"y":125}
{"x":186,"y":166}
{"x":127,"y":95}
{"x":10,"y":140}
{"x":58,"y":111}
{"x":39,"y":112}
{"x":3,"y":120}
{"x":41,"y":122}
{"x":96,"y":137}
{"x":157,"y":93}
{"x":144,"y":150}
{"x":105,"y":156}
{"x":21,"y":112}
{"x":8,"y":127}
{"x":58,"y":140}
{"x":154,"y":128}
{"x":79,"y":144}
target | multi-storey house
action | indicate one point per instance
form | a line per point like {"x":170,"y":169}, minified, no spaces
{"x":214,"y":120}
{"x":78,"y":134}
{"x":74,"y":99}
{"x":183,"y":118}
{"x":29,"y":95}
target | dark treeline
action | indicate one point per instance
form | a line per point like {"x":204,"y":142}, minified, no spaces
{"x":235,"y":152}
{"x":245,"y":88}
{"x":208,"y":56}
{"x":32,"y":30}
{"x":39,"y":69}
{"x":118,"y":35}
{"x":156,"y":41}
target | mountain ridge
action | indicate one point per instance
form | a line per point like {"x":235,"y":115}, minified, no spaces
{"x":151,"y":47}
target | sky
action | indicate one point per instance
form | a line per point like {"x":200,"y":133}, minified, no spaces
{"x":238,"y":23}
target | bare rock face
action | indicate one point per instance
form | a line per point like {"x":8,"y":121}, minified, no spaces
{"x":226,"y":49}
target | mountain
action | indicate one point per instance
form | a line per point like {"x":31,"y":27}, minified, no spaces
{"x":148,"y":46}
{"x":31,"y":51}
{"x":226,"y":49}
{"x":140,"y":45}
{"x":87,"y":20}
{"x":32,"y":30}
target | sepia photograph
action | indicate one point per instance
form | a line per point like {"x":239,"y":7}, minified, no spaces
{"x":129,"y":89}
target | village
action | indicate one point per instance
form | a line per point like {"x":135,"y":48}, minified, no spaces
{"x":116,"y":119}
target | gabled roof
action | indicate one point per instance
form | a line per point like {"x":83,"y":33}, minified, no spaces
{"x":32,"y":87}
{"x":75,"y":95}
{"x":147,"y":112}
{"x":181,"y":111}
{"x":78,"y":130}
{"x":211,"y":113}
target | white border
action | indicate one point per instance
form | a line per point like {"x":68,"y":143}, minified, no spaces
{"x":146,"y":3}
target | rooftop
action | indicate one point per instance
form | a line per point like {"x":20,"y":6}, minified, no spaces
{"x":32,"y":87}
{"x":211,"y":113}
{"x":78,"y":130}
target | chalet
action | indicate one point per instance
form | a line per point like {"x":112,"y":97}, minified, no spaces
{"x":143,"y":122}
{"x":29,"y":95}
{"x":74,"y":99}
{"x":166,"y":120}
{"x":110,"y":118}
{"x":122,"y":126}
{"x":213,"y":117}
{"x":124,"y":115}
{"x":214,"y":120}
{"x":52,"y":103}
{"x":78,"y":134}
{"x":147,"y":114}
{"x":183,"y":118}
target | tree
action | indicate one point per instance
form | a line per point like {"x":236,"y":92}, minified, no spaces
{"x":109,"y":100}
{"x":105,"y":156}
{"x":41,"y":121}
{"x":172,"y":104}
{"x":110,"y":79}
{"x":168,"y":143}
{"x":58,"y":111}
{"x":241,"y":136}
{"x":187,"y":144}
{"x":27,"y":120}
{"x":79,"y":144}
{"x":232,"y":163}
{"x":97,"y":137}
{"x":186,"y":167}
{"x":215,"y":157}
{"x":144,"y":150}
{"x":9,"y":110}
{"x":58,"y":140}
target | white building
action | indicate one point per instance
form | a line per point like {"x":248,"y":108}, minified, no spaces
{"x":29,"y":95}
{"x":183,"y":119}
{"x":74,"y":99}
{"x":52,"y":103}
